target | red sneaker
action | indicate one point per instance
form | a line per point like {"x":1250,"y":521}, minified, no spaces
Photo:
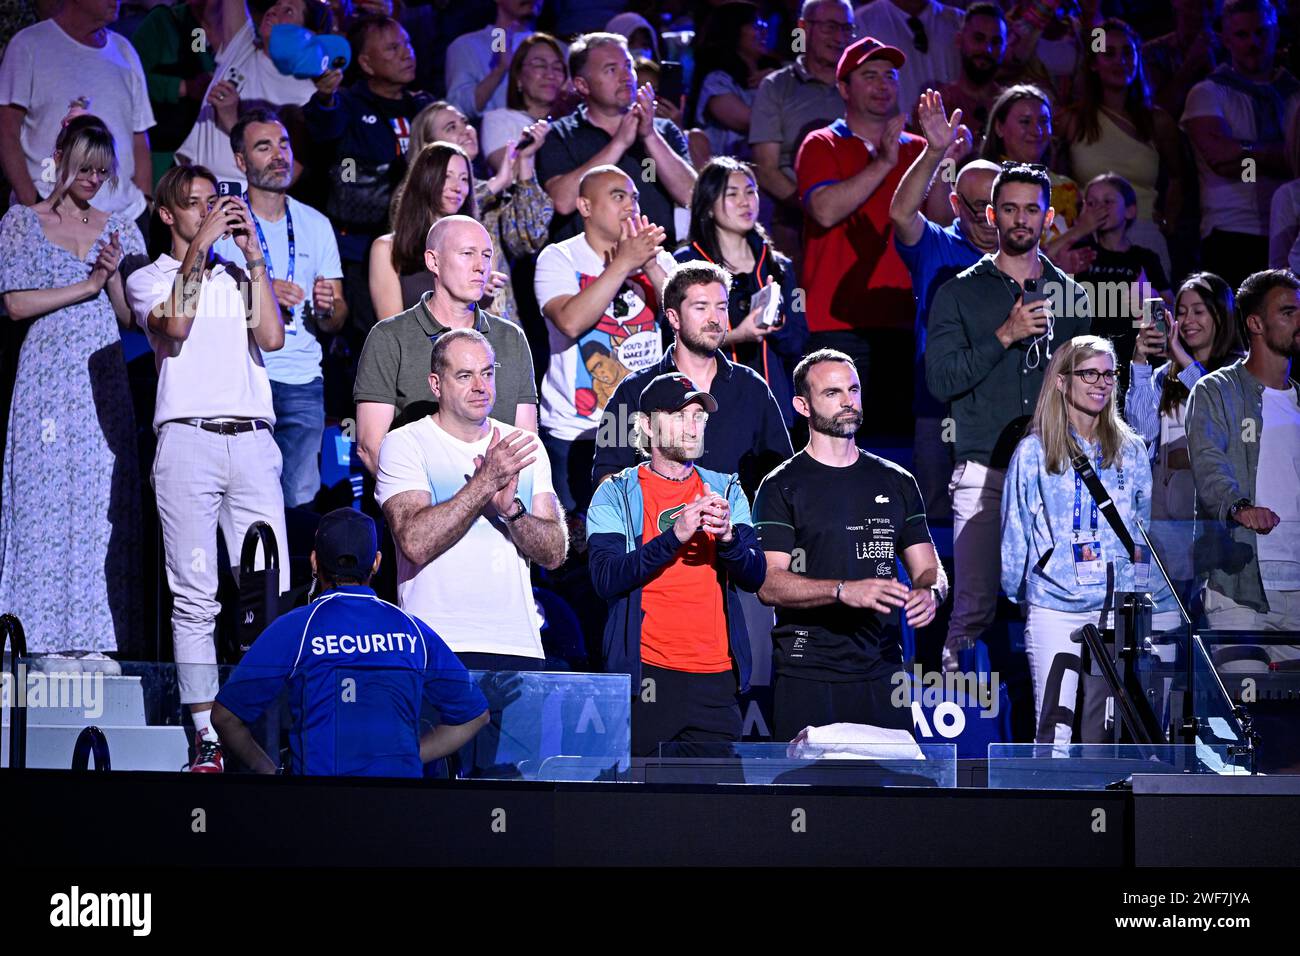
{"x":208,"y":757}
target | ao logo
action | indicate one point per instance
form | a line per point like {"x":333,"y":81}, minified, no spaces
{"x":949,"y":720}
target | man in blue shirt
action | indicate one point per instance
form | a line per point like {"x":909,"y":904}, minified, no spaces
{"x":934,"y":254}
{"x":357,"y":669}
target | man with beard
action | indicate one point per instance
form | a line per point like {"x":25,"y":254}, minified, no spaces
{"x":982,"y":46}
{"x":1243,"y":435}
{"x":614,"y":125}
{"x":748,"y":436}
{"x":671,"y":545}
{"x":833,"y":522}
{"x":992,"y":329}
{"x":302,"y":260}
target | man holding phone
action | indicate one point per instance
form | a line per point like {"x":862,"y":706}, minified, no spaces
{"x":992,"y":329}
{"x":217,"y":464}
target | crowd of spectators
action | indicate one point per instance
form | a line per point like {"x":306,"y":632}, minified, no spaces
{"x":294,"y":205}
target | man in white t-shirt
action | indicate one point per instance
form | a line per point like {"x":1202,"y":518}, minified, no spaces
{"x":217,"y":466}
{"x":308,"y":288}
{"x":245,"y":77}
{"x":1243,"y":434}
{"x":74,"y":56}
{"x":600,"y":295}
{"x":470,"y":503}
{"x":1236,"y":119}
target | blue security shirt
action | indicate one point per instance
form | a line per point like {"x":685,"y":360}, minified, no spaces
{"x":939,"y":254}
{"x":356,"y":669}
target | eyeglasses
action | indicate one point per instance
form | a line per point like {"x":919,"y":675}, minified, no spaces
{"x":919,"y":38}
{"x":544,"y":66}
{"x":977,"y":211}
{"x":1008,"y":165}
{"x":829,"y":27}
{"x":1093,"y":375}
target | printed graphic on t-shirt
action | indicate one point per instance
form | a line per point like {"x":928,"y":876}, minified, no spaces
{"x":402,"y":131}
{"x":625,"y":340}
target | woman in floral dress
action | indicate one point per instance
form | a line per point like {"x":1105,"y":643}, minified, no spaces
{"x":69,"y":505}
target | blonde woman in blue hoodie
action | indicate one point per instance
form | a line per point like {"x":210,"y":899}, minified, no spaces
{"x":1061,"y":560}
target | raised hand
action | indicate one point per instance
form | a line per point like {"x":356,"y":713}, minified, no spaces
{"x":940,"y":131}
{"x":224,"y":100}
{"x":241,"y":229}
{"x":327,"y":84}
{"x":1150,"y":342}
{"x":538,"y":132}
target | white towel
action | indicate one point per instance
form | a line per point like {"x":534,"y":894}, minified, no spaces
{"x":853,"y":742}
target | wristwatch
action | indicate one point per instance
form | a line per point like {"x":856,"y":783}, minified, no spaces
{"x":1238,"y":505}
{"x":519,"y":512}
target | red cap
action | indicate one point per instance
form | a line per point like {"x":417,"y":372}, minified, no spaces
{"x":868,"y":48}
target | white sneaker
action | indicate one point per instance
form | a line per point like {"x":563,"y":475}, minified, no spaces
{"x":66,"y":662}
{"x":94,"y":662}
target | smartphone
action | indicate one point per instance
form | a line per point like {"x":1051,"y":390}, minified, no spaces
{"x":670,"y":82}
{"x":1157,"y":314}
{"x":768,"y":298}
{"x":1032,"y":293}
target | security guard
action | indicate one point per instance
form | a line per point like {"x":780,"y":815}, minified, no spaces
{"x":356,"y":668}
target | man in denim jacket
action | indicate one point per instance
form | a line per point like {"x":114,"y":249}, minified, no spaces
{"x":1243,"y":436}
{"x":669,"y":546}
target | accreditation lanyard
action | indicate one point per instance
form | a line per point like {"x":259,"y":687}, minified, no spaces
{"x":1078,"y":504}
{"x":290,"y":325}
{"x":266,"y":252}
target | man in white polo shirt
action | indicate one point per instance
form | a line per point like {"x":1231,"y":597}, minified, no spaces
{"x":217,"y":465}
{"x":470,"y":503}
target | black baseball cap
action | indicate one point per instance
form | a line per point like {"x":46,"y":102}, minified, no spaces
{"x":346,"y":544}
{"x":671,"y":392}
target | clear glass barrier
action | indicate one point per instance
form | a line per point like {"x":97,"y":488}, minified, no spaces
{"x":848,"y":765}
{"x":543,"y":725}
{"x":1097,"y":766}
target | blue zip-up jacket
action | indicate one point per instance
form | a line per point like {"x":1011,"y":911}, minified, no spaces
{"x":1037,"y":528}
{"x":621,"y":565}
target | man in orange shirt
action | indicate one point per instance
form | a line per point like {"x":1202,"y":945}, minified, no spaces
{"x":670,"y":544}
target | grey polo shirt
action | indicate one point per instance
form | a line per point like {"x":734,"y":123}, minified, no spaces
{"x":789,"y":105}
{"x":993,"y":390}
{"x":394,"y":365}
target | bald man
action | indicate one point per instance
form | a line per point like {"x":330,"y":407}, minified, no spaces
{"x":934,"y":253}
{"x":392,"y":385}
{"x":599,"y":293}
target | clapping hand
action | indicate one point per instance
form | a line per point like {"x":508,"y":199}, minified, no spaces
{"x":106,"y":263}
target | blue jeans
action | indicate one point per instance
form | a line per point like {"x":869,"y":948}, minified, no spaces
{"x":299,"y":428}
